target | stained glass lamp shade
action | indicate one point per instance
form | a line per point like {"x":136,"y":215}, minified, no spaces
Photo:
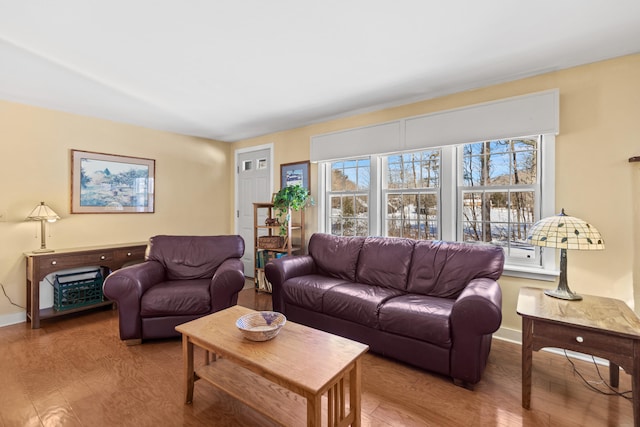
{"x":565,"y":232}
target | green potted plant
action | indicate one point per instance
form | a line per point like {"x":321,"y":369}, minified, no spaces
{"x":292,"y":198}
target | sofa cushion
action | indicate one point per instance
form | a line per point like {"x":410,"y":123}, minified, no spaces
{"x":443,"y":269}
{"x":385,"y":261}
{"x":308,"y":291}
{"x":193,"y":257}
{"x":357,"y":302}
{"x":418,"y":316}
{"x":176,"y":297}
{"x":336,"y":256}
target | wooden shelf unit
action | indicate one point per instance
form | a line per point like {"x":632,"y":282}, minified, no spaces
{"x":295,"y":232}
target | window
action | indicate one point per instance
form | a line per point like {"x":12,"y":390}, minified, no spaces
{"x":500,"y":186}
{"x":411,"y":194}
{"x":348,"y":195}
{"x":492,"y":190}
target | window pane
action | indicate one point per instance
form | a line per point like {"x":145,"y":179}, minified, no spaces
{"x":524,"y":167}
{"x":412,"y":215}
{"x":428,"y":216}
{"x":472,"y":170}
{"x":502,"y":162}
{"x":394,"y":215}
{"x":363,"y":178}
{"x":362,"y":227}
{"x":336,"y":206}
{"x":498,"y":169}
{"x":336,"y":226}
{"x":431,"y":170}
{"x":338,"y":178}
{"x":413,"y":170}
{"x":472,"y":231}
{"x":362,"y":206}
{"x":522,"y":219}
{"x":472,"y":206}
{"x":476,"y":212}
{"x":394,"y":173}
{"x":347,"y":207}
{"x":348,"y":227}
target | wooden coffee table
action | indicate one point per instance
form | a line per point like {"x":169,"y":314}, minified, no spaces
{"x":302,"y":360}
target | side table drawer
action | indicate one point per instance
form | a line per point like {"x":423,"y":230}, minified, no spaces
{"x":55,"y":262}
{"x":580,"y":340}
{"x":130,"y":254}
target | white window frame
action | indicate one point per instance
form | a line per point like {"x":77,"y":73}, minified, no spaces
{"x":450,"y":221}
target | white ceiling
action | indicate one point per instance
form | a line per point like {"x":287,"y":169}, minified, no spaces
{"x":233,"y":69}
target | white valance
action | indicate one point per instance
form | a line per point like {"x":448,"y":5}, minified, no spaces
{"x":531,"y":114}
{"x":382,"y":138}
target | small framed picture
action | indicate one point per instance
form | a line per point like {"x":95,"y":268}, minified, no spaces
{"x":294,"y":174}
{"x":108,"y":183}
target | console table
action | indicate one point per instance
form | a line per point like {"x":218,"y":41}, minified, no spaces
{"x":40,"y":264}
{"x":603,"y":327}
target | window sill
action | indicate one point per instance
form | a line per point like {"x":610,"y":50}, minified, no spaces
{"x":531,"y":273}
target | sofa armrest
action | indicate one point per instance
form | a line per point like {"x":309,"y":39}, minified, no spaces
{"x":475,"y":315}
{"x":280,"y":270}
{"x":478,"y":309}
{"x":126,"y":286}
{"x":227,"y":281}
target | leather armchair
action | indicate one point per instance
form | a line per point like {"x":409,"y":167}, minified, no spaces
{"x":182,"y":278}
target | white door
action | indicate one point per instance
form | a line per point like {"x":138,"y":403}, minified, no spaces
{"x":254,"y":178}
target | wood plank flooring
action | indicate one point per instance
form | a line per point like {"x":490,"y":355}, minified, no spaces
{"x":74,"y":371}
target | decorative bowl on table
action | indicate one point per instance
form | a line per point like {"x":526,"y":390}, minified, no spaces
{"x":261,"y":325}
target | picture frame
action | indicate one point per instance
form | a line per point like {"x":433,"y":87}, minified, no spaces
{"x":110,"y":183}
{"x":294,"y":173}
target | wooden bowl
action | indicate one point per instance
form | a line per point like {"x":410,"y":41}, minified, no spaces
{"x":262,"y":325}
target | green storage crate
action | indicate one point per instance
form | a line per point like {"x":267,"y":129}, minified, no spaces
{"x":77,"y":289}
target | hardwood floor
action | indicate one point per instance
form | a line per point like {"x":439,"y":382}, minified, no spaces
{"x":74,"y":371}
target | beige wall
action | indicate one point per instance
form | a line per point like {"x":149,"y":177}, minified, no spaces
{"x":599,"y":131}
{"x":192,"y":183}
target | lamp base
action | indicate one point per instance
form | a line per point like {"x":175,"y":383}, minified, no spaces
{"x":563,"y":294}
{"x":42,"y":251}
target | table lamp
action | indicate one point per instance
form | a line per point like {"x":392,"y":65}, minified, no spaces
{"x":565,"y":232}
{"x":44,"y":214}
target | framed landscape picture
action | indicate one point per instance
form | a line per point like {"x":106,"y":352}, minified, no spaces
{"x":108,"y":183}
{"x":294,"y":173}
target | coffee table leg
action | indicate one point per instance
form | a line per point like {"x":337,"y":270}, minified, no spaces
{"x":189,"y":374}
{"x":527,"y":360}
{"x":355,"y":390}
{"x":314,"y":411}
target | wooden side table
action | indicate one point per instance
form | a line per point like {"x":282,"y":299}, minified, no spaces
{"x":603,"y":327}
{"x":40,"y":264}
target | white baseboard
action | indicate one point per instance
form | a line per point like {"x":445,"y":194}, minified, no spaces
{"x":13,"y":318}
{"x":509,"y":335}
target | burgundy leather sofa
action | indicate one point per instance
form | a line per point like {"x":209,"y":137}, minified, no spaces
{"x":431,"y":304}
{"x":182,"y":278}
